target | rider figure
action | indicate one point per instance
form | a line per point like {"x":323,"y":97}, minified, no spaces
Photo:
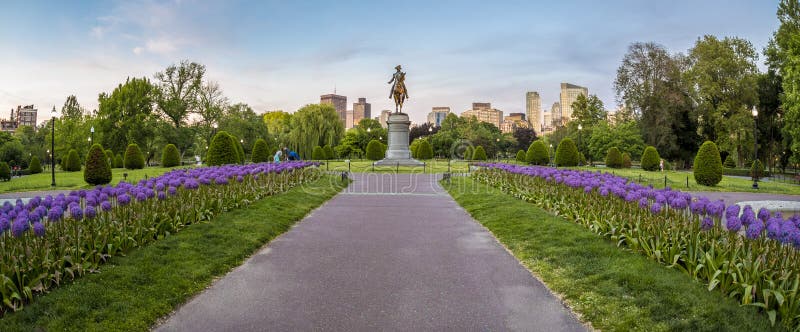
{"x":398,"y":78}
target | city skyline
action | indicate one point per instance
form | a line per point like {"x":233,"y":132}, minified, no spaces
{"x":454,"y":53}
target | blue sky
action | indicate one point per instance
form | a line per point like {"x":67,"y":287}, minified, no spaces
{"x":283,"y":55}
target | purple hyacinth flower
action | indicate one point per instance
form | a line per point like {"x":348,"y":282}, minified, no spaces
{"x":90,"y":212}
{"x":655,"y":208}
{"x":763,"y":214}
{"x":76,"y":212}
{"x":707,"y":223}
{"x":55,"y":214}
{"x":105,"y":206}
{"x":38,"y":229}
{"x":732,"y":210}
{"x":643,"y":202}
{"x":19,"y":227}
{"x":604,"y":192}
{"x":240,"y":178}
{"x":123,"y":199}
{"x":172,"y":190}
{"x":697,"y":207}
{"x":160,"y":186}
{"x":774,"y":228}
{"x":162,"y":195}
{"x":754,"y":230}
{"x":748,"y":215}
{"x":221,"y":180}
{"x":140,"y":197}
{"x":4,"y":225}
{"x":715,"y":209}
{"x":733,"y":223}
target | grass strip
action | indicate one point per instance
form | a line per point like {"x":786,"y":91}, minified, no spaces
{"x":609,"y":287}
{"x":74,"y":180}
{"x":130,"y":293}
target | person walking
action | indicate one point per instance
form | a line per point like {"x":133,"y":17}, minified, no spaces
{"x":277,"y":157}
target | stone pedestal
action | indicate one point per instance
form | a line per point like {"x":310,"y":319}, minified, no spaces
{"x":398,"y":153}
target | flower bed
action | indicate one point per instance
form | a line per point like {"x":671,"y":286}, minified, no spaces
{"x":746,"y":255}
{"x":55,"y":239}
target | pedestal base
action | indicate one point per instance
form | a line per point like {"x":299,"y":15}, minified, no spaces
{"x":399,"y":162}
{"x":397,"y":152}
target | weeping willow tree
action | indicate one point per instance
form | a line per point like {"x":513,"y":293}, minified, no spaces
{"x":314,"y":125}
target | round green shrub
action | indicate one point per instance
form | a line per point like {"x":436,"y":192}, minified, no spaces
{"x":118,"y":161}
{"x":567,"y":153}
{"x":468,"y":153}
{"x":521,"y":156}
{"x":170,"y":157}
{"x":328,"y":152}
{"x":5,"y":171}
{"x":134,"y":159}
{"x":729,"y":163}
{"x":708,"y":165}
{"x":73,"y":161}
{"x":651,"y":161}
{"x":537,"y":154}
{"x":374,"y":150}
{"x":479,"y":153}
{"x":626,"y":160}
{"x":318,"y":153}
{"x":757,"y":169}
{"x":260,"y":152}
{"x":425,"y":150}
{"x":614,"y":158}
{"x":222,"y":150}
{"x":35,"y":166}
{"x":97,"y":171}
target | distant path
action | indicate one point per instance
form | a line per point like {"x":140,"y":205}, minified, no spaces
{"x":394,"y":252}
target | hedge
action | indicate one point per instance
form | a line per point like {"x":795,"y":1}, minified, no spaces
{"x":707,"y":165}
{"x":222,"y":150}
{"x":537,"y":154}
{"x":742,"y":172}
{"x":651,"y":161}
{"x":567,"y":153}
{"x":35,"y":166}
{"x":97,"y":171}
{"x":134,"y":159}
{"x":260,"y":152}
{"x":170,"y":157}
{"x":614,"y":158}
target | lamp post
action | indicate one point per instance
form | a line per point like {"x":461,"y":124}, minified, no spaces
{"x":215,"y":129}
{"x":755,"y":147}
{"x":92,"y":130}
{"x":53,"y":146}
{"x":498,"y":148}
{"x":579,"y":141}
{"x":551,"y":153}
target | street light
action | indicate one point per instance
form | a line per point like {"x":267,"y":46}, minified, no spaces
{"x":551,"y":153}
{"x":215,"y":128}
{"x":579,"y":141}
{"x":92,"y":130}
{"x":53,"y":146}
{"x":498,"y":148}
{"x":755,"y":147}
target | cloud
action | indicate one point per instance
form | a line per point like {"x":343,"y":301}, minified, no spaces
{"x":138,"y":50}
{"x":161,"y":46}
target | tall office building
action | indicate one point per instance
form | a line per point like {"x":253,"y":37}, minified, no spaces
{"x":385,"y":118}
{"x":485,"y":113}
{"x":533,"y":110}
{"x":361,"y":110}
{"x":348,"y":119}
{"x":437,"y":115}
{"x":514,"y":121}
{"x":24,"y":116}
{"x":339,"y":103}
{"x":569,"y":93}
{"x":555,"y":115}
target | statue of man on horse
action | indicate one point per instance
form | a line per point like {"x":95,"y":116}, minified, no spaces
{"x":399,"y":92}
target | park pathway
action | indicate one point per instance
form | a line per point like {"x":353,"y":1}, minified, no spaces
{"x":393,"y":252}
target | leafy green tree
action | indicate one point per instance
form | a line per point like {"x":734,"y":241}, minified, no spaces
{"x":374,"y":150}
{"x":211,"y":104}
{"x":241,"y":121}
{"x":223,"y":150}
{"x":479,"y":153}
{"x":651,"y":160}
{"x":524,"y":137}
{"x":567,"y":153}
{"x":35,"y":166}
{"x":588,"y":111}
{"x":134,"y":159}
{"x":783,"y":55}
{"x":626,"y":136}
{"x":13,"y":153}
{"x":278,"y":125}
{"x":329,"y":154}
{"x":5,"y":171}
{"x":72,"y":109}
{"x":708,"y":165}
{"x":313,"y":125}
{"x":537,"y":154}
{"x":170,"y":157}
{"x":178,"y":87}
{"x":318,"y":153}
{"x":126,"y":115}
{"x":521,"y":156}
{"x":97,"y":171}
{"x":425,"y":150}
{"x":73,"y":161}
{"x":614,"y":158}
{"x":260,"y":152}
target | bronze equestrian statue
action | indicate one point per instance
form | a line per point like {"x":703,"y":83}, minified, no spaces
{"x":399,"y":92}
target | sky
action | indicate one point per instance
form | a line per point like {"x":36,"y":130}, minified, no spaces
{"x":285,"y":54}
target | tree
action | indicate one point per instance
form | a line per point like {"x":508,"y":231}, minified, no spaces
{"x":237,"y":145}
{"x":170,"y":157}
{"x":375,"y":150}
{"x":783,"y":56}
{"x":417,"y":131}
{"x":241,"y":121}
{"x":5,"y":171}
{"x":708,"y":165}
{"x":626,"y":136}
{"x":651,"y":161}
{"x":126,"y":115}
{"x":312,"y":125}
{"x":211,"y":104}
{"x":134,"y":159}
{"x":278,"y":125}
{"x":222,"y":150}
{"x":479,"y":153}
{"x":35,"y":166}
{"x":588,"y":111}
{"x":97,"y":171}
{"x":521,"y":156}
{"x":13,"y":152}
{"x":614,"y":158}
{"x":537,"y":154}
{"x":524,"y":137}
{"x":71,"y":108}
{"x":425,"y":150}
{"x":328,"y":152}
{"x":770,"y":116}
{"x":73,"y":161}
{"x":260,"y":152}
{"x":414,"y":147}
{"x":318,"y":153}
{"x":567,"y":153}
{"x":178,"y":88}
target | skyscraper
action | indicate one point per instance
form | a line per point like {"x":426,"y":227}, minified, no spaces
{"x":361,"y":110}
{"x":533,"y":110}
{"x":437,"y":115}
{"x":339,"y":103}
{"x":569,"y":93}
{"x":555,"y":115}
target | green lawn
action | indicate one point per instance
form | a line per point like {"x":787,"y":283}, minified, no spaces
{"x":609,"y":287}
{"x":365,"y":166}
{"x":130,"y":293}
{"x":73,"y":180}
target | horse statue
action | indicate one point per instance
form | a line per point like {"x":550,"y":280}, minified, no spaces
{"x":399,"y":92}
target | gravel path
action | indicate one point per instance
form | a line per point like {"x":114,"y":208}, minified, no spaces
{"x":393,"y":252}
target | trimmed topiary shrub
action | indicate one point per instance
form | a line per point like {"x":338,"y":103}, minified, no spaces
{"x":374,"y":150}
{"x":521,"y":156}
{"x":222,"y":150}
{"x":318,"y":153}
{"x":651,"y":161}
{"x":468,"y":153}
{"x":567,"y":153}
{"x":260,"y":152}
{"x":134,"y":159}
{"x":707,"y":165}
{"x":537,"y":154}
{"x":626,"y":160}
{"x":73,"y":161}
{"x":328,"y":152}
{"x":118,"y":161}
{"x":5,"y":171}
{"x":35,"y":166}
{"x":479,"y":153}
{"x":237,"y":144}
{"x":425,"y":150}
{"x":729,"y":163}
{"x":614,"y":158}
{"x":757,"y":170}
{"x":170,"y":157}
{"x":110,"y":157}
{"x":414,"y":147}
{"x":97,"y":171}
